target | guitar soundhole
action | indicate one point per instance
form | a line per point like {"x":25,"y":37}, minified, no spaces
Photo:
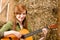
{"x":10,"y":38}
{"x":22,"y":37}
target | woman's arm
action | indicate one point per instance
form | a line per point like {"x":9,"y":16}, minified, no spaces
{"x":6,"y":26}
{"x":17,"y":34}
{"x":3,"y":34}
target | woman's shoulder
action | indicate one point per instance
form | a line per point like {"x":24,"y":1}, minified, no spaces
{"x":10,"y":22}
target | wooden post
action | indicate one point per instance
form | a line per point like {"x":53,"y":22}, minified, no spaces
{"x":59,"y":20}
{"x":6,"y":11}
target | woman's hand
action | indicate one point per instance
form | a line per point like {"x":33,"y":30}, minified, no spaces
{"x":45,"y":30}
{"x":17,"y":34}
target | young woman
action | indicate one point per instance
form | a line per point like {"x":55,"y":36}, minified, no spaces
{"x":20,"y":22}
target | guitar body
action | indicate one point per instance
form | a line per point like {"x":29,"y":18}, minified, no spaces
{"x":13,"y":37}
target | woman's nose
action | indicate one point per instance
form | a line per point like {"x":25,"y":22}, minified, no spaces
{"x":21,"y":15}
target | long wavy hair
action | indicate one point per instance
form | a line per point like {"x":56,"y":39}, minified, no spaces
{"x":17,"y":10}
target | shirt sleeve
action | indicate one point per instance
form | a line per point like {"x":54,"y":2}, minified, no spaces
{"x":6,"y":26}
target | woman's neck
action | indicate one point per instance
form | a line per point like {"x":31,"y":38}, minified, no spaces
{"x":21,"y":25}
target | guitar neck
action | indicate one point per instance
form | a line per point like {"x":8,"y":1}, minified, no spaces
{"x":32,"y":33}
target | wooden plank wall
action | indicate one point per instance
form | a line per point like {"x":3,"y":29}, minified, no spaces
{"x":11,"y":13}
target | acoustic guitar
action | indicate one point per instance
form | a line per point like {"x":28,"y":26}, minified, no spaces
{"x":26,"y":35}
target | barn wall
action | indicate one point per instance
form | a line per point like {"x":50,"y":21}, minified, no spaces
{"x":3,"y":15}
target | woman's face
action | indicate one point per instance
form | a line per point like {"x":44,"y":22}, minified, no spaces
{"x":21,"y":16}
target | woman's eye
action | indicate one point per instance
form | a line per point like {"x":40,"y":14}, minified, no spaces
{"x":18,"y":13}
{"x":24,"y":13}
